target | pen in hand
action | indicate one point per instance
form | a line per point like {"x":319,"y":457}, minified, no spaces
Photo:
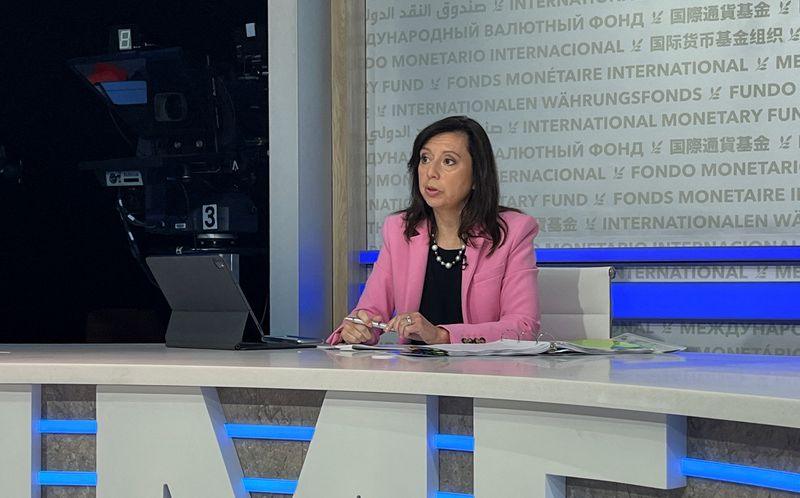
{"x":376,"y":325}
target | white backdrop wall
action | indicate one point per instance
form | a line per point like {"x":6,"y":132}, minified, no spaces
{"x":615,"y":123}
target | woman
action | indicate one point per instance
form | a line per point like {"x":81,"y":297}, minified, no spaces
{"x":455,"y":266}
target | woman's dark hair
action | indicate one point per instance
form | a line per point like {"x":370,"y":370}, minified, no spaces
{"x":481,"y":214}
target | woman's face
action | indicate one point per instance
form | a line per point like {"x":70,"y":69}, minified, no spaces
{"x":445,"y":172}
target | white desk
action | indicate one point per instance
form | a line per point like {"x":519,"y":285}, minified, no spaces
{"x":536,"y":419}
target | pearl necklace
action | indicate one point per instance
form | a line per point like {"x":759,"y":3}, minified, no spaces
{"x":449,"y":264}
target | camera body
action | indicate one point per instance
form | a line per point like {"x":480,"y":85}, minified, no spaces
{"x":196,"y":178}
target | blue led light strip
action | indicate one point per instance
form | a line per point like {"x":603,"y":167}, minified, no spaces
{"x":281,"y":432}
{"x":63,"y":478}
{"x":252,"y":484}
{"x":664,"y":301}
{"x":453,"y":442}
{"x":67,"y":426}
{"x":712,"y":301}
{"x":740,"y":474}
{"x":666,"y":255}
{"x":738,"y":301}
{"x":650,"y":255}
{"x":690,"y":467}
{"x":276,"y":486}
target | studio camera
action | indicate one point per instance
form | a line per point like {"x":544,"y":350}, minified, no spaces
{"x":197,"y":129}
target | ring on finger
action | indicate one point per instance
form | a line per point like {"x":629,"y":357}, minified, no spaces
{"x":409,"y":320}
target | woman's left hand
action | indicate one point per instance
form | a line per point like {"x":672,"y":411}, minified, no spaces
{"x":413,"y":326}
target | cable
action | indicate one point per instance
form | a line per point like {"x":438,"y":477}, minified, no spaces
{"x":134,"y":247}
{"x":129,"y":218}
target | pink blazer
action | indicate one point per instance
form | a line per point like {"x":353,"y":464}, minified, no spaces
{"x":499,"y":294}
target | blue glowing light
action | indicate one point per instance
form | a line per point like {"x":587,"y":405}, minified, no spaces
{"x":740,"y":474}
{"x":282,"y":432}
{"x":649,"y":255}
{"x":276,"y":486}
{"x":641,"y":255}
{"x":453,"y":442}
{"x":68,"y":426}
{"x":705,"y":301}
{"x":690,"y":467}
{"x":62,"y":478}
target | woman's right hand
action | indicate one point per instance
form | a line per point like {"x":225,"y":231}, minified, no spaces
{"x":355,"y":333}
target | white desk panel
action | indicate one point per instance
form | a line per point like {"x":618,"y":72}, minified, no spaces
{"x":585,"y":406}
{"x":746,"y":388}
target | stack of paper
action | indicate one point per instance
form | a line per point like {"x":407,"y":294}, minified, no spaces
{"x":622,"y":344}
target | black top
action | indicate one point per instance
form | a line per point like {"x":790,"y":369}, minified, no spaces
{"x":441,"y":293}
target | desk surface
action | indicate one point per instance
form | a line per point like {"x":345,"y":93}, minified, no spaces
{"x":747,"y":388}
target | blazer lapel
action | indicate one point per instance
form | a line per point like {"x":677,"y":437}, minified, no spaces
{"x":472,"y":252}
{"x":417,"y":263}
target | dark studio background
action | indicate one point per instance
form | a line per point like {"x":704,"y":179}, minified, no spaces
{"x":66,"y":271}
